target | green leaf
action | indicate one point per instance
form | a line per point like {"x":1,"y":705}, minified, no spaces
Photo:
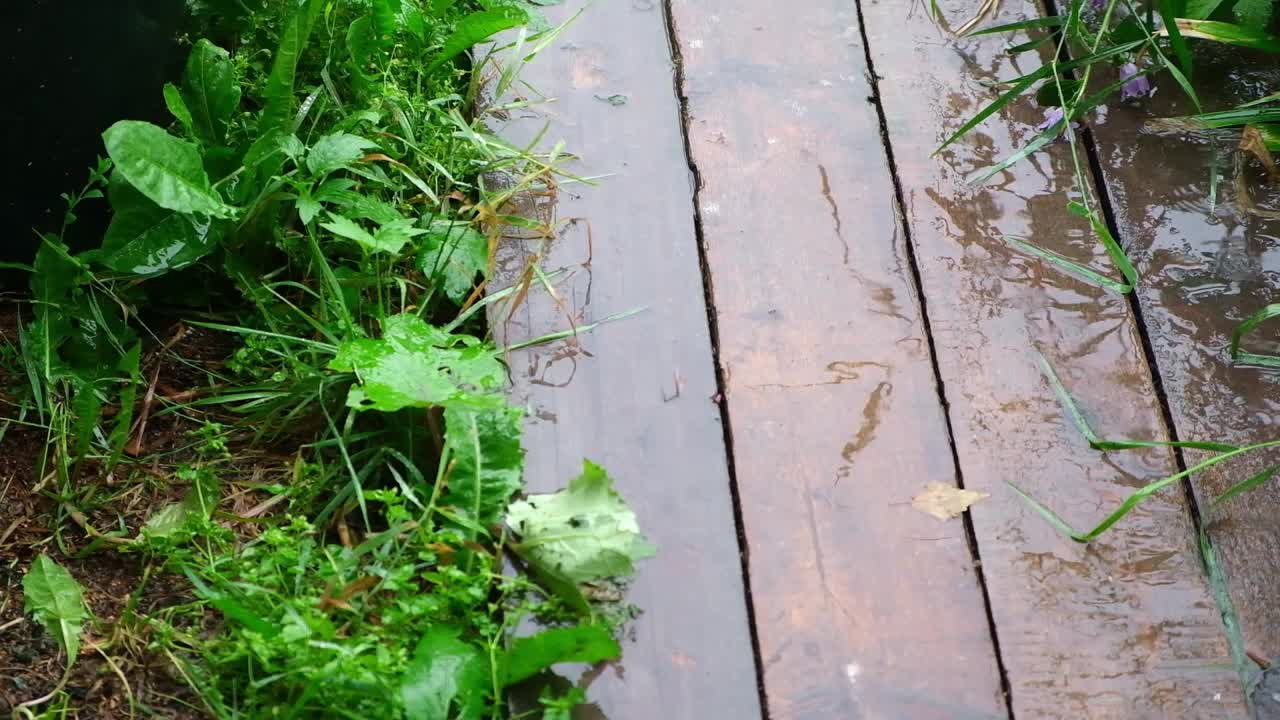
{"x":445,"y":673}
{"x":1044,"y":22}
{"x":199,"y":502}
{"x":119,"y":436}
{"x":478,"y":27}
{"x":1168,"y":15}
{"x":335,"y":151}
{"x":55,"y":599}
{"x":178,"y":108}
{"x":1246,"y":485}
{"x":166,"y":169}
{"x":418,"y":365}
{"x":1239,"y":35}
{"x":487,"y":459}
{"x":279,"y":109}
{"x":583,"y":533}
{"x":211,"y":91}
{"x":529,"y":656}
{"x":385,"y":14}
{"x":1245,"y":328}
{"x":1253,"y":14}
{"x":453,"y":253}
{"x":389,"y":238}
{"x":146,"y":239}
{"x":1201,"y":9}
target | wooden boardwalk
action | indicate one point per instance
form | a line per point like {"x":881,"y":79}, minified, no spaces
{"x":831,"y":323}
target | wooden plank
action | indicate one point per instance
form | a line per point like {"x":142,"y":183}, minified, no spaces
{"x":636,"y":395}
{"x":1202,"y":273}
{"x":865,"y":607}
{"x":1125,"y":627}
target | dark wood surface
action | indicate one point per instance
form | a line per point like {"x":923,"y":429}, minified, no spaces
{"x":1202,"y":273}
{"x":637,"y":395}
{"x":865,"y":607}
{"x":1125,"y":627}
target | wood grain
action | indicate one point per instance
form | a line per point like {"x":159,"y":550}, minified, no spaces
{"x":637,"y":395}
{"x":1203,"y":272}
{"x":1125,"y":627}
{"x":865,"y":607}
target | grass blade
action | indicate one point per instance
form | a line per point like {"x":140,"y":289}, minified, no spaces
{"x":1244,"y":328}
{"x":1044,"y":22}
{"x":1170,"y":18}
{"x":1068,"y":265}
{"x":1245,"y":486}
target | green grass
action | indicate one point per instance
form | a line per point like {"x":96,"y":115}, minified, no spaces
{"x":320,"y":203}
{"x":1148,"y":39}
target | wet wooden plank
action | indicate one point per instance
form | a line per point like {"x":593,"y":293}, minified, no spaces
{"x":1202,"y":273}
{"x":1125,"y":627}
{"x":635,"y":395}
{"x":865,"y":607}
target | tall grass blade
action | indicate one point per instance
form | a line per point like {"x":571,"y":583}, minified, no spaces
{"x":1245,"y":486}
{"x":1244,"y":328}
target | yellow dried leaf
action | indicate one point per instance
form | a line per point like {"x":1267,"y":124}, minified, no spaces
{"x":945,"y":501}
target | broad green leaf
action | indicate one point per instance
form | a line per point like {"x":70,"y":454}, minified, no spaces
{"x":529,"y":656}
{"x":453,"y":254}
{"x":362,"y":44}
{"x":385,"y":14}
{"x":487,"y":461}
{"x":417,"y":365}
{"x":445,"y":673}
{"x":211,"y":91}
{"x":478,"y":27}
{"x":178,"y":108}
{"x":146,"y":239}
{"x":584,"y":532}
{"x":335,"y":151}
{"x":86,"y":407}
{"x":1253,"y":14}
{"x":166,"y":169}
{"x":1201,"y":9}
{"x":279,"y":108}
{"x":55,"y":599}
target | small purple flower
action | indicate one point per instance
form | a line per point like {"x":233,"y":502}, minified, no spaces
{"x":1098,"y":5}
{"x":1135,"y":85}
{"x":1052,"y":116}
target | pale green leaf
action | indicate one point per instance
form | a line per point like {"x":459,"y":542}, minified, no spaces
{"x":166,"y":169}
{"x":178,"y":108}
{"x":55,"y":599}
{"x":582,"y":533}
{"x":417,"y":365}
{"x":279,"y":90}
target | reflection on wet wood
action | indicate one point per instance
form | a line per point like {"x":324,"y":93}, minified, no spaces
{"x":636,"y":395}
{"x":1125,"y":627}
{"x":865,"y":607}
{"x":1202,"y":273}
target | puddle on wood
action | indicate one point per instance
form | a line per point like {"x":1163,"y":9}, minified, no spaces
{"x":1202,"y":273}
{"x":1123,"y":627}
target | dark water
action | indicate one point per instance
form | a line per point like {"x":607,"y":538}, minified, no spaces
{"x":70,"y":69}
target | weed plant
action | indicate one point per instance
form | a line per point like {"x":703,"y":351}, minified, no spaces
{"x":324,"y":200}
